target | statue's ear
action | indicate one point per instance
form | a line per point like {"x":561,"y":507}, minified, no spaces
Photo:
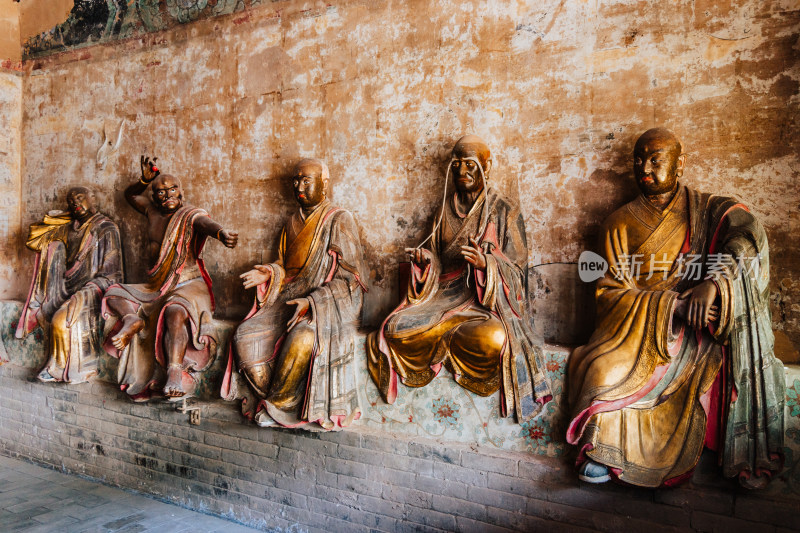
{"x":488,"y":166}
{"x":679,"y":164}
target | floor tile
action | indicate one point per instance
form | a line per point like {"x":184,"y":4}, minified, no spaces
{"x":35,"y":499}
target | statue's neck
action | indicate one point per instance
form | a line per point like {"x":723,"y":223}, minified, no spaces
{"x":83,"y":219}
{"x":661,"y":201}
{"x":465,"y":200}
{"x":308,"y":211}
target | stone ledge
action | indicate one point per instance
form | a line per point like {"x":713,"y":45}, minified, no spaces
{"x":362,"y":480}
{"x":441,"y":411}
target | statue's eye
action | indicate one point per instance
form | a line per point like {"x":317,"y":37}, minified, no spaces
{"x":470,"y":164}
{"x":637,"y":161}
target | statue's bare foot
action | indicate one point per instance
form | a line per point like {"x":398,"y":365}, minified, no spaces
{"x":131,"y":325}
{"x":174,"y":386}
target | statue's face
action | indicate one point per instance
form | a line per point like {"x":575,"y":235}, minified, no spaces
{"x":167,"y":194}
{"x":655,"y":165}
{"x":466,"y":174}
{"x":79,"y":203}
{"x":309,"y":187}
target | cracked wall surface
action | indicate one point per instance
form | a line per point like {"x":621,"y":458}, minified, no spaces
{"x":382,"y":89}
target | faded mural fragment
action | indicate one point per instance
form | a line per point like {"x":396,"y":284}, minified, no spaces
{"x":97,"y":21}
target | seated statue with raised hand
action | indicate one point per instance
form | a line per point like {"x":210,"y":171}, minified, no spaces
{"x":163,"y":333}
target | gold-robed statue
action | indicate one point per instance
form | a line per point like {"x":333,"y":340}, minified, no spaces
{"x":466,"y":307}
{"x":295,"y":350}
{"x":682,"y":356}
{"x":162,"y":330}
{"x":78,"y":258}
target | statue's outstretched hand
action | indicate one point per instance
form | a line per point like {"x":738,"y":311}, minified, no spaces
{"x":149,"y":169}
{"x":303,"y":306}
{"x":260,"y":274}
{"x":473,"y":255}
{"x":228,"y":238}
{"x":699,"y":309}
{"x":420,"y":256}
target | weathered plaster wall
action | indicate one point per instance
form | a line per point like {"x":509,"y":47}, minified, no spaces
{"x":10,"y":48}
{"x":37,"y":16}
{"x":381,"y":90}
{"x":10,"y":182}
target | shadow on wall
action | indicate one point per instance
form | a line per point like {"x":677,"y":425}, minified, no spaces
{"x":562,"y":305}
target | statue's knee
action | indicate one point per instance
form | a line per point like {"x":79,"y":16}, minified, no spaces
{"x":175,"y":316}
{"x":59,"y":321}
{"x":301,"y":339}
{"x":489,"y":335}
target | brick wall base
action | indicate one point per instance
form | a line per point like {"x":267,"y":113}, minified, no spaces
{"x":293,"y":480}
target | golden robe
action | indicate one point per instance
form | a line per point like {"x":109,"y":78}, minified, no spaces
{"x":179,"y":277}
{"x":73,"y":260}
{"x":474,"y":323}
{"x":307,"y":373}
{"x":645,"y":388}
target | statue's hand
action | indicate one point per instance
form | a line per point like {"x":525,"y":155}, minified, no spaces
{"x":700,"y":309}
{"x":473,"y":255}
{"x":252,"y":278}
{"x":682,"y":310}
{"x":420,"y":256}
{"x":149,"y":169}
{"x":303,"y":306}
{"x":228,"y":238}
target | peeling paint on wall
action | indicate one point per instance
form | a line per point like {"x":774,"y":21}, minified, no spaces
{"x":381,"y":90}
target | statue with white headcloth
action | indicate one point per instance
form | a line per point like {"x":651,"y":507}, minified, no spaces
{"x":466,"y":307}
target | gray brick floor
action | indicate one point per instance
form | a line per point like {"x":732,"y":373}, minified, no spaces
{"x":38,"y":499}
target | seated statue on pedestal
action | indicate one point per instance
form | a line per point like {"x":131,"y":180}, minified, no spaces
{"x":163,"y":329}
{"x":682,"y":356}
{"x":296,"y":347}
{"x":467,"y":304}
{"x":79,"y":257}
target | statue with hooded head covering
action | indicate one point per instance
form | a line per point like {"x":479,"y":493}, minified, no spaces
{"x":466,"y":307}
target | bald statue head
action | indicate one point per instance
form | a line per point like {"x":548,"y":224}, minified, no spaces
{"x":167,"y":193}
{"x":310,"y":182}
{"x":658,"y":161}
{"x":80,"y":203}
{"x":466,"y":174}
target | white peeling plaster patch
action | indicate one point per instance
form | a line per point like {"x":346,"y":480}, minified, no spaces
{"x":779,"y":174}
